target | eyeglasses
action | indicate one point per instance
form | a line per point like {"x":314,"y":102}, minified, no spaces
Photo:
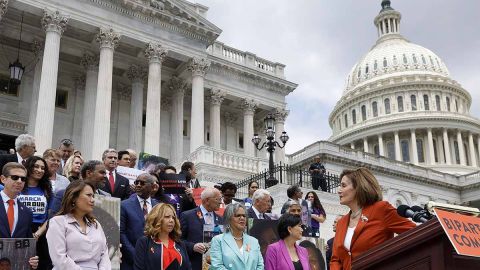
{"x":16,"y":177}
{"x":139,"y":182}
{"x":311,"y":197}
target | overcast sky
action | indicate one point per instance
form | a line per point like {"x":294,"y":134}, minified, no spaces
{"x":319,"y":41}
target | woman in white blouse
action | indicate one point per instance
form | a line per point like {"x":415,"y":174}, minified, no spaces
{"x":75,"y":239}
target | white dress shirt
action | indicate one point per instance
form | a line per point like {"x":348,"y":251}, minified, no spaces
{"x":149,"y":203}
{"x":5,"y":199}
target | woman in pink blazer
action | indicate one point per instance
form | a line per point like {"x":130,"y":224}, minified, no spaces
{"x":285,"y":254}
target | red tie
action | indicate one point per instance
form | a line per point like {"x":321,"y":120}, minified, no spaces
{"x":112,"y":181}
{"x":145,"y":209}
{"x":11,"y":214}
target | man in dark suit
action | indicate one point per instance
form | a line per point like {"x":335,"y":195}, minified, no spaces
{"x":15,"y":218}
{"x":25,"y":146}
{"x":192,"y":222}
{"x":328,"y":252}
{"x":261,"y":203}
{"x":188,"y":169}
{"x":115,"y":184}
{"x":66,"y":148}
{"x":133,"y":212}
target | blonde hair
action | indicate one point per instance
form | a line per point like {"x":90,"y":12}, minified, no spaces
{"x":366,"y":186}
{"x":67,"y":169}
{"x":52,"y":153}
{"x":153,"y":223}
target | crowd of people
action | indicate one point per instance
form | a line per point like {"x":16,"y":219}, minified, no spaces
{"x":51,"y":198}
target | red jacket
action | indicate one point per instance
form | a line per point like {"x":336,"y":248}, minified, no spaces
{"x":378,"y":223}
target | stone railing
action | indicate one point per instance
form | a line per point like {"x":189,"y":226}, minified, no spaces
{"x":469,"y":179}
{"x":327,"y":148}
{"x":226,"y":159}
{"x":246,"y":59}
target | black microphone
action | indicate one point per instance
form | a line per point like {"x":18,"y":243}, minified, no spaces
{"x":407,"y":212}
{"x":422,"y":211}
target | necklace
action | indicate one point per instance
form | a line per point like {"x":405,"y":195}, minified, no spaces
{"x":238,"y":238}
{"x":356,"y":214}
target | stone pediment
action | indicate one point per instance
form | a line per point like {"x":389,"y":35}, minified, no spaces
{"x":177,"y":13}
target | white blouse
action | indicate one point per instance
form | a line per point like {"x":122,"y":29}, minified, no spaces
{"x":348,"y":238}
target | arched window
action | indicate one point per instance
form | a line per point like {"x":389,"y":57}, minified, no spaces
{"x":395,"y":62}
{"x":385,"y":63}
{"x":414,"y":58}
{"x":426,"y":104}
{"x":405,"y":150}
{"x":375,"y":65}
{"x":423,"y":60}
{"x":448,"y":103}
{"x":437,"y":102}
{"x":413,"y":100}
{"x":364,"y":112}
{"x":354,"y":116}
{"x":435,"y":152}
{"x":457,"y":152}
{"x":346,"y":120}
{"x":366,"y":69}
{"x":400,"y":103}
{"x":374,"y":109}
{"x":421,"y":156}
{"x":391,"y":150}
{"x":405,"y":61}
{"x":387,"y":106}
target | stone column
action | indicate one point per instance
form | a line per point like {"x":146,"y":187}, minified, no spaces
{"x":398,"y":153}
{"x":177,"y":86}
{"x":78,"y":110}
{"x":108,"y":40}
{"x":90,"y":63}
{"x":124,"y":95}
{"x":461,"y":150}
{"x":54,"y":24}
{"x":137,"y":76}
{"x":3,"y":8}
{"x":230,"y":121}
{"x":380,"y":145}
{"x":37,"y":48}
{"x":431,"y":151}
{"x":215,"y":103}
{"x":248,"y":106}
{"x":155,"y":54}
{"x":198,"y":67}
{"x":471,"y":146}
{"x":478,"y":146}
{"x":352,"y":145}
{"x":365,"y":145}
{"x":446,"y":145}
{"x":413,"y":142}
{"x":280,"y":117}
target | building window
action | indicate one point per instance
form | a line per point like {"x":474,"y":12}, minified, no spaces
{"x":354,"y":116}
{"x":376,"y":150}
{"x":405,"y":61}
{"x":400,"y":104}
{"x":375,"y":65}
{"x":7,"y":87}
{"x":364,"y":113}
{"x":391,"y":150}
{"x":465,"y":149}
{"x":61,"y":99}
{"x":366,"y":69}
{"x":387,"y":106}
{"x":414,"y":58}
{"x":185,"y":128}
{"x":405,"y":151}
{"x":385,"y":63}
{"x":456,"y":105}
{"x":435,"y":151}
{"x":423,"y":60}
{"x":346,"y":120}
{"x":426,"y":104}
{"x":374,"y":109}
{"x":457,"y":152}
{"x":448,"y":103}
{"x":421,"y":156}
{"x":437,"y":102}
{"x":413,"y":100}
{"x":240,"y":140}
{"x":144,"y":119}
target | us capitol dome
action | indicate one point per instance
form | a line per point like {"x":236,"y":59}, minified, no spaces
{"x":400,"y":102}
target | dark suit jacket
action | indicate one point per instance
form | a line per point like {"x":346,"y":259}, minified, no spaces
{"x":191,"y":223}
{"x":251,"y":214}
{"x":132,"y":224}
{"x":328,"y":252}
{"x":378,"y":223}
{"x":148,"y":255}
{"x":121,"y":189}
{"x":4,"y":159}
{"x":23,"y":228}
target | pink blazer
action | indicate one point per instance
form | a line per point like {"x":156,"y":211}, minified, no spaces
{"x":277,"y":257}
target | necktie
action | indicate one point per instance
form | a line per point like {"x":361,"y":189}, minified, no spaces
{"x":112,"y":181}
{"x":208,"y":218}
{"x":145,"y":209}
{"x":11,"y":214}
{"x":23,"y":162}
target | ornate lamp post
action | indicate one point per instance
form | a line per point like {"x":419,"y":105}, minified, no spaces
{"x":270,"y":144}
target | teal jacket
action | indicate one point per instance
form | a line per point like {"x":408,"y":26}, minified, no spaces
{"x":225,"y":253}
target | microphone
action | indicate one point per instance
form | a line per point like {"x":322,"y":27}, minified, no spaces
{"x":422,"y":211}
{"x":407,"y":212}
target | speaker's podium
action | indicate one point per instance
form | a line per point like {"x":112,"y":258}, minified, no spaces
{"x":425,"y":247}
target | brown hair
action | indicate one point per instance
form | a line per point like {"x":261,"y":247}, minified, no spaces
{"x":12,"y":165}
{"x":67,"y":168}
{"x":367,"y":189}
{"x":51,"y":153}
{"x":154,"y":221}
{"x":71,"y":195}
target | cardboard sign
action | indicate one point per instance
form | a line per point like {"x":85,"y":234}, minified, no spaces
{"x":15,"y":253}
{"x":147,"y":162}
{"x":130,"y":173}
{"x":462,"y":231}
{"x":196,"y":195}
{"x":173,"y":183}
{"x":107,"y":212}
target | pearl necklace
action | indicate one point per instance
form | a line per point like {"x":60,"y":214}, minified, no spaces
{"x":237,"y":238}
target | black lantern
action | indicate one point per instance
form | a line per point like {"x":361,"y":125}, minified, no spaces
{"x":17,"y":69}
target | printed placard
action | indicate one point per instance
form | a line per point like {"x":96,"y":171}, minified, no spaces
{"x":15,"y":253}
{"x":173,"y":183}
{"x":130,"y":173}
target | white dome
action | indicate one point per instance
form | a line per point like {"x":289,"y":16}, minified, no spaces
{"x":394,"y":55}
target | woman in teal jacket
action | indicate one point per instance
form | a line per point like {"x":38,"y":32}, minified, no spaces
{"x":235,"y":249}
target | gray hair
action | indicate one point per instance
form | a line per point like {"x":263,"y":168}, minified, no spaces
{"x":259,"y":194}
{"x":290,"y":203}
{"x":148,"y":178}
{"x":24,"y":140}
{"x":89,"y":166}
{"x":230,"y":211}
{"x":208,"y":192}
{"x":109,"y":150}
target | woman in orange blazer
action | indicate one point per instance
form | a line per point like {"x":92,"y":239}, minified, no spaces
{"x":370,"y":221}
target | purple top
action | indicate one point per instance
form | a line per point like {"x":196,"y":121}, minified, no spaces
{"x":317,"y":211}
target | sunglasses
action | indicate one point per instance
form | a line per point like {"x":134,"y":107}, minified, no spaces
{"x":138,"y":182}
{"x":16,"y":177}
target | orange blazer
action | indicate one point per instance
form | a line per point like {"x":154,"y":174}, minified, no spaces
{"x":378,"y":223}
